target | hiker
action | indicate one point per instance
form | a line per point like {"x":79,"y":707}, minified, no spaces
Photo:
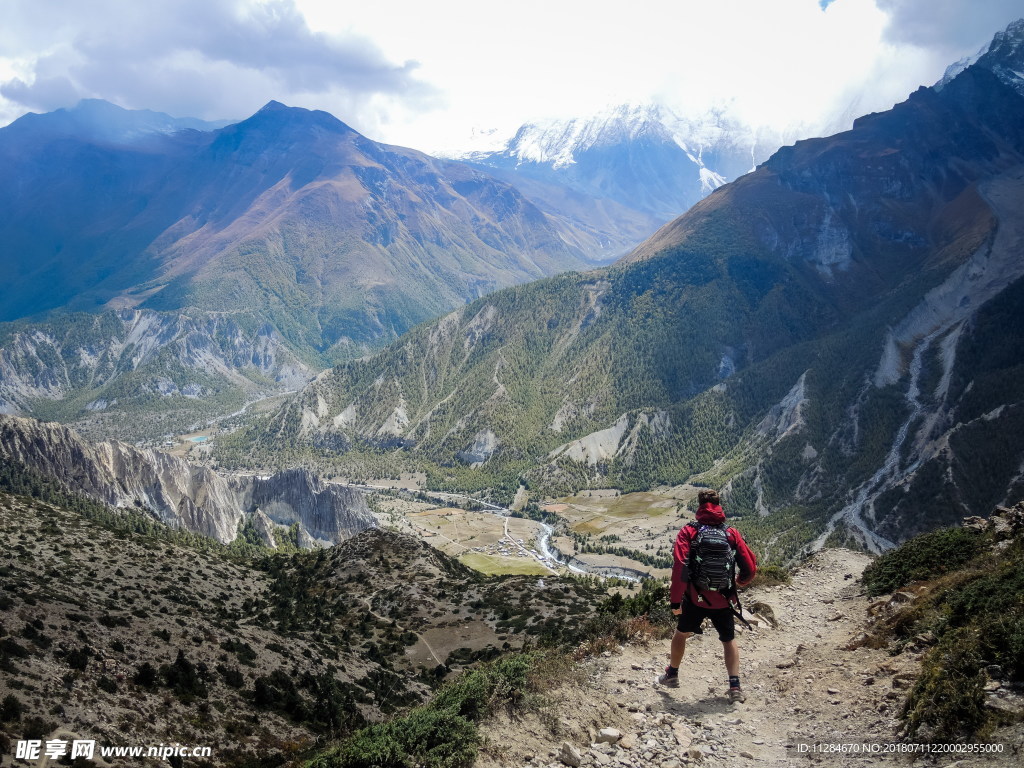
{"x":707,"y":556}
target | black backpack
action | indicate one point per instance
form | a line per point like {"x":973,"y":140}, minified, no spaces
{"x":712,"y":558}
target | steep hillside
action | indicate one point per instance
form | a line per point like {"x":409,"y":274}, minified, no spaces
{"x":956,"y":594}
{"x":131,"y":639}
{"x":138,"y":373}
{"x":803,"y":336}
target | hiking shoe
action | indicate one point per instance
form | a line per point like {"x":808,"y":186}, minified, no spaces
{"x":667,"y":679}
{"x":736,"y":695}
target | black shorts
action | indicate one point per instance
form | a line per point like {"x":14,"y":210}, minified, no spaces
{"x":692,"y":617}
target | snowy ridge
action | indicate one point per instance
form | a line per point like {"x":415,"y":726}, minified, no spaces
{"x":1004,"y":56}
{"x":959,"y":66}
{"x":708,"y":139}
{"x":556,"y":142}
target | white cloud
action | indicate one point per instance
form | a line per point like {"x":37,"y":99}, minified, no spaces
{"x":790,"y":65}
{"x":424,"y":74}
{"x":203,"y":58}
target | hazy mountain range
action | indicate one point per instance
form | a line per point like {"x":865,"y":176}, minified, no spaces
{"x":287,"y":233}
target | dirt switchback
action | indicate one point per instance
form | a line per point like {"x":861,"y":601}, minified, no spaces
{"x":806,"y":691}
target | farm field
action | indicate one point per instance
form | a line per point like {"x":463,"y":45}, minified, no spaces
{"x":484,"y":541}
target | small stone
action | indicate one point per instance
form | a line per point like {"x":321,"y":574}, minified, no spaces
{"x":832,"y":691}
{"x":747,"y":755}
{"x":608,"y":735}
{"x":786,"y":664}
{"x":683,"y":735}
{"x":601,"y":758}
{"x":628,"y":741}
{"x":694,"y":754}
{"x":569,"y":755}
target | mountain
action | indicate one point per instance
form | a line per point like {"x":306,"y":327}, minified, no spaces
{"x":99,"y":121}
{"x":139,"y":373}
{"x":337,"y":239}
{"x":262,"y":659}
{"x":999,"y":57}
{"x":833,"y":338}
{"x":183,"y":495}
{"x":255,"y":252}
{"x":644,"y":158}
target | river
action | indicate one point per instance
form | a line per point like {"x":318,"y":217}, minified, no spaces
{"x":548,"y":554}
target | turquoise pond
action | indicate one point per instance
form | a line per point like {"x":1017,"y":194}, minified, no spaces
{"x":200,"y":439}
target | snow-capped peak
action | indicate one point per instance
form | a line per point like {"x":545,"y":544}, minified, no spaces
{"x":556,"y":142}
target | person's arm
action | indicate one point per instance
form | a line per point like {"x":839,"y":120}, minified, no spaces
{"x":680,"y":571}
{"x":746,"y":561}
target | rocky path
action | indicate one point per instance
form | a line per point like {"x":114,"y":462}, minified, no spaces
{"x":803,"y":687}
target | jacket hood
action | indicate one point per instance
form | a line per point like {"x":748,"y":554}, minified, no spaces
{"x":710,"y":514}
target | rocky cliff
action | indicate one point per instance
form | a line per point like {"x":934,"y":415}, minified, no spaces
{"x":183,"y":495}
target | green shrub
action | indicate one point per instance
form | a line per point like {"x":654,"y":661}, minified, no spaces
{"x":425,"y":738}
{"x":977,"y":614}
{"x":474,"y":694}
{"x":947,"y":703}
{"x":441,"y":734}
{"x":107,"y":684}
{"x":770,"y":576}
{"x":10,"y":709}
{"x":923,"y":557}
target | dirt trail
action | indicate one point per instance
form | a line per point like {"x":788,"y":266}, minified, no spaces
{"x":802,"y":686}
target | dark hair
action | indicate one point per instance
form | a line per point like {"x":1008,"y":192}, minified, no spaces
{"x":708,"y":497}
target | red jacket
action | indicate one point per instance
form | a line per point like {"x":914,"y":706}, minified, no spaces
{"x":746,"y":562}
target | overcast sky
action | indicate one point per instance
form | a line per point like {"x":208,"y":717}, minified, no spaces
{"x":425,"y":74}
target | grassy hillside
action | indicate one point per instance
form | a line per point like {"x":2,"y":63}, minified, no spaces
{"x":168,"y":637}
{"x":962,"y":603}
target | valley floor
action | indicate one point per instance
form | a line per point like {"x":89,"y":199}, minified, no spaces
{"x":803,"y":688}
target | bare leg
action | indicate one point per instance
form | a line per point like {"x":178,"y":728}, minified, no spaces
{"x":732,"y":657}
{"x":678,"y":647}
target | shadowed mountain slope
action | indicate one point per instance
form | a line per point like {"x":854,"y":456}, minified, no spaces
{"x":332,"y":237}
